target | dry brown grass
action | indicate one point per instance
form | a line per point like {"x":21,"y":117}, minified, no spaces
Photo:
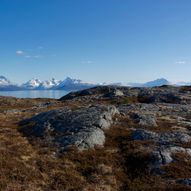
{"x":179,"y":168}
{"x":184,"y":89}
{"x":123,"y":164}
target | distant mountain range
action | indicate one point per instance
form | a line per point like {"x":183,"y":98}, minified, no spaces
{"x":73,"y":84}
{"x":53,"y":84}
{"x":40,"y":85}
{"x":157,"y":82}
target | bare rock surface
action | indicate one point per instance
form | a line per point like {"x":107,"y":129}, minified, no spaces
{"x":114,"y":93}
{"x":82,"y":128}
{"x":144,"y":120}
{"x":162,"y":138}
{"x":142,"y":134}
{"x":164,"y":155}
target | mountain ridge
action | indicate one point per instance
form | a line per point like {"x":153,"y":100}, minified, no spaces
{"x":75,"y":84}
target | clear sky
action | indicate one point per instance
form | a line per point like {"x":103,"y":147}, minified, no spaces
{"x":95,"y":40}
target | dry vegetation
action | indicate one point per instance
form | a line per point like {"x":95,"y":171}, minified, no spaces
{"x":123,"y":164}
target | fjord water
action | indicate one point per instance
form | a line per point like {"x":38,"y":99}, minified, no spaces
{"x":35,"y":93}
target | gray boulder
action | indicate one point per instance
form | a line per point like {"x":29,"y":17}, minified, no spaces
{"x":114,"y":93}
{"x":186,"y":181}
{"x":144,"y":120}
{"x":174,"y":137}
{"x":82,"y":128}
{"x":140,"y":108}
{"x":162,"y":138}
{"x":164,"y":155}
{"x":142,"y":134}
{"x":162,"y":152}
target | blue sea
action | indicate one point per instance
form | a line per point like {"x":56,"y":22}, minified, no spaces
{"x":35,"y":93}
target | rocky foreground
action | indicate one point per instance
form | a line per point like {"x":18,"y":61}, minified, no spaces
{"x":103,"y":139}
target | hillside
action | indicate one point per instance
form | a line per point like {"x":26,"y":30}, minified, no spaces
{"x":105,"y":138}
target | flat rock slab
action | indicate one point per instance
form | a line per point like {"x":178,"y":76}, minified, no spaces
{"x":82,"y":128}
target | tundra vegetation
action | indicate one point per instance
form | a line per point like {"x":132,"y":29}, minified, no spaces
{"x":100,"y":139}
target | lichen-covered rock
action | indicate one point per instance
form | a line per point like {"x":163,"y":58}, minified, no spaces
{"x":114,"y":93}
{"x":154,"y":96}
{"x":164,"y":154}
{"x":142,"y":108}
{"x":162,"y":138}
{"x":174,"y":137}
{"x":82,"y":128}
{"x":142,"y":134}
{"x":144,"y":120}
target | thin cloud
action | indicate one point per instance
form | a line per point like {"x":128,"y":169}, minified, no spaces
{"x":87,"y":62}
{"x":28,"y":55}
{"x":181,"y":62}
{"x":20,"y":52}
{"x":35,"y":56}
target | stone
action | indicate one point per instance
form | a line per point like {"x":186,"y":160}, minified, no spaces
{"x":162,"y":138}
{"x":174,"y":137}
{"x":139,"y":108}
{"x":142,"y":134}
{"x":114,"y":93}
{"x":155,"y":95}
{"x":163,"y":155}
{"x":144,"y":120}
{"x":82,"y":128}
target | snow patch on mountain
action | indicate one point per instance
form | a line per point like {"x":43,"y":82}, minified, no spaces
{"x":73,"y":84}
{"x":4,"y":81}
{"x":36,"y":84}
{"x":154,"y":83}
{"x":70,"y":84}
{"x":48,"y":84}
{"x":32,"y":84}
{"x":7,"y":85}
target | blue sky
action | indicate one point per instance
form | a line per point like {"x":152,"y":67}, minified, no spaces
{"x":96,"y":40}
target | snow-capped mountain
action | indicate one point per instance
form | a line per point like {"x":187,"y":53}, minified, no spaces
{"x":49,"y":84}
{"x":73,"y":84}
{"x":36,"y":84}
{"x":67,"y":84}
{"x":7,"y":85}
{"x":157,"y":82}
{"x":4,"y":81}
{"x":32,"y":84}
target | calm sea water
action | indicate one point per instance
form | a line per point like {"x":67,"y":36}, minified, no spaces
{"x":35,"y":93}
